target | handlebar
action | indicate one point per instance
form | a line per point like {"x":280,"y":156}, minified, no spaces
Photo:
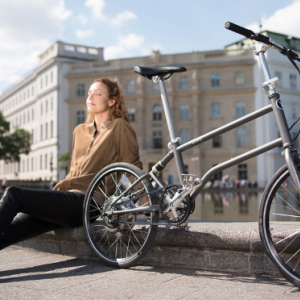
{"x":253,"y":36}
{"x":263,"y":39}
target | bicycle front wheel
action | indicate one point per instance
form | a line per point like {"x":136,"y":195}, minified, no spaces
{"x":120,"y":240}
{"x":279,"y":224}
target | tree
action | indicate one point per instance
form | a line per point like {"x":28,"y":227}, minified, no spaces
{"x":12,"y":145}
{"x":64,"y":162}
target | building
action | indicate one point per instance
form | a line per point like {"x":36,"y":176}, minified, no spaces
{"x":218,"y":87}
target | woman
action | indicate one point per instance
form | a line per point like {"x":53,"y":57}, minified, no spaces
{"x":105,"y":138}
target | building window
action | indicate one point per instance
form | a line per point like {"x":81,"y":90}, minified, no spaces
{"x":51,"y":77}
{"x":80,"y":117}
{"x":239,"y":79}
{"x":32,"y":91}
{"x":279,"y":76}
{"x":41,"y":162}
{"x":241,"y":136}
{"x":184,"y":83}
{"x":216,"y":110}
{"x":240,"y":109}
{"x":185,"y":135}
{"x":242,"y":172}
{"x":41,"y":83}
{"x":294,"y":111}
{"x":46,"y":161}
{"x":157,"y":139}
{"x":217,"y":141}
{"x":215,"y":80}
{"x":46,"y":80}
{"x":46,"y":131}
{"x":186,"y":169}
{"x":41,"y":108}
{"x":46,"y":106}
{"x":184,"y":112}
{"x":130,"y":86}
{"x":80,"y":90}
{"x":51,"y":129}
{"x":293,"y":81}
{"x":32,"y":114}
{"x":41,"y":132}
{"x":157,"y":113}
{"x":131,"y":114}
{"x":32,"y":165}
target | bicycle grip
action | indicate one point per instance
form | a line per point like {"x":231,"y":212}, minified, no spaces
{"x":238,"y":29}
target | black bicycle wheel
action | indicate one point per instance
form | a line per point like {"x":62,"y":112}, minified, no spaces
{"x":120,"y":240}
{"x":279,"y":224}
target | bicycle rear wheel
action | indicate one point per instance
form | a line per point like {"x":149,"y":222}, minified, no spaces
{"x":279,"y":224}
{"x":120,"y":240}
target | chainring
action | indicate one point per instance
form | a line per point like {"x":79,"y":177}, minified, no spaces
{"x":183,"y":210}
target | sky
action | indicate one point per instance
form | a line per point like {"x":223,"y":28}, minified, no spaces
{"x":128,"y":28}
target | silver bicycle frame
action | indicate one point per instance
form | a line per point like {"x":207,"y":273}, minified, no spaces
{"x":285,"y":139}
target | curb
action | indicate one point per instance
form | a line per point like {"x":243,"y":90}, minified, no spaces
{"x":217,"y":246}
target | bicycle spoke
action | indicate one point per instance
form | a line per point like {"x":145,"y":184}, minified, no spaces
{"x":118,"y":239}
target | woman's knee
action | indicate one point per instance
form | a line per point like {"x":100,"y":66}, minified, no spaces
{"x":11,"y":193}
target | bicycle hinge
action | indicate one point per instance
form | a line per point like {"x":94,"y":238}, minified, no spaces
{"x":175,"y":141}
{"x":270,"y":86}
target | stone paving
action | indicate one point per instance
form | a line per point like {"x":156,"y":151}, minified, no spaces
{"x":27,"y":274}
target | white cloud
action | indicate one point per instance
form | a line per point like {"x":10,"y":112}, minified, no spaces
{"x":284,"y":20}
{"x":26,"y":28}
{"x":82,"y":19}
{"x":84,"y":33}
{"x":97,"y":6}
{"x":123,"y":17}
{"x":129,"y":46}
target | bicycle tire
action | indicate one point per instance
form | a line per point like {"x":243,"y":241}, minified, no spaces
{"x":279,"y":224}
{"x":116,"y":243}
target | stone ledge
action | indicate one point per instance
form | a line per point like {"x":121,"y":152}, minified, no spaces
{"x":221,"y":246}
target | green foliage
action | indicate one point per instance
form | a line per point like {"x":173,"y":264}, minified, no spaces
{"x":14,"y":144}
{"x":64,"y":162}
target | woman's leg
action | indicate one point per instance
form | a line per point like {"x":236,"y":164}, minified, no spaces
{"x":24,"y":227}
{"x":60,"y":207}
{"x":41,"y":211}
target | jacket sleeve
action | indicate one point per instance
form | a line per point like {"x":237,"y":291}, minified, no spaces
{"x":127,"y":145}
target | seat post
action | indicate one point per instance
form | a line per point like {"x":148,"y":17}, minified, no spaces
{"x":171,"y":127}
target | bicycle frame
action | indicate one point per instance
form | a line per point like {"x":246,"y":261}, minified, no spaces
{"x":285,"y":139}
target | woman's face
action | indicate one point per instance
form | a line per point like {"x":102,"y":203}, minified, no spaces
{"x":98,"y":100}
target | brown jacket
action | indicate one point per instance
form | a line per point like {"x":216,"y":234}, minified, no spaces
{"x":94,"y":150}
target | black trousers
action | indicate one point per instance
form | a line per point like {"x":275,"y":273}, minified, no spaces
{"x":26,"y":213}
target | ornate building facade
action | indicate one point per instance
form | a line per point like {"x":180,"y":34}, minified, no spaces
{"x":218,"y":87}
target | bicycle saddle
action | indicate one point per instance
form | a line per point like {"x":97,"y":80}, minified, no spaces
{"x":158,"y":71}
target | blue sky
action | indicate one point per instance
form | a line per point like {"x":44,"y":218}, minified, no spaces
{"x":127,"y":28}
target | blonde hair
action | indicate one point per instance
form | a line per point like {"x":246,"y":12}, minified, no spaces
{"x":118,"y":110}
